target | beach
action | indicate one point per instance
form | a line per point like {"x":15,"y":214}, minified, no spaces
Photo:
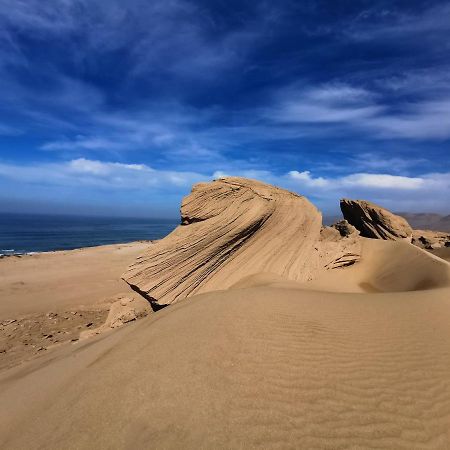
{"x":48,"y":299}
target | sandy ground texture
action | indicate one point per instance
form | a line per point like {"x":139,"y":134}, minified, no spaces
{"x":360,"y":360}
{"x":49,"y":299}
{"x":443,"y":253}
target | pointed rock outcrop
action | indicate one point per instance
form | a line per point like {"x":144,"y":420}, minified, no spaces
{"x":232,"y":228}
{"x":373,"y":221}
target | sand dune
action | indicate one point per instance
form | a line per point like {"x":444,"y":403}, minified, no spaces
{"x":385,"y":266}
{"x":234,"y":227}
{"x":443,"y":253}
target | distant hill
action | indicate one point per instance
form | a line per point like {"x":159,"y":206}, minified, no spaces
{"x":427,"y":221}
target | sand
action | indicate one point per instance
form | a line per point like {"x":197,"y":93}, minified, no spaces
{"x":43,"y":281}
{"x":268,"y":366}
{"x":50,"y":299}
{"x":443,"y":253}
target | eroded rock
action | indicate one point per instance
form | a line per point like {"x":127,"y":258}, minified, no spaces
{"x":373,"y":221}
{"x":232,"y":228}
{"x":431,"y":240}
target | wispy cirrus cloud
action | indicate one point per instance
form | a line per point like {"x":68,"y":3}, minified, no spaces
{"x":393,"y":22}
{"x":330,"y":103}
{"x":341,"y":105}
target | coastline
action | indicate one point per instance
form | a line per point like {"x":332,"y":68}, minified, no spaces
{"x":13,"y":253}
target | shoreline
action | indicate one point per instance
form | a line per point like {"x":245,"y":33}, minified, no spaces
{"x":32,"y":253}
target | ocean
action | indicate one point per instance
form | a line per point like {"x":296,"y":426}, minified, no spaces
{"x":26,"y":233}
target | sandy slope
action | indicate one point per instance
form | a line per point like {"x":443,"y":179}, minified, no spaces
{"x":443,"y":253}
{"x":385,"y":267}
{"x":258,"y":367}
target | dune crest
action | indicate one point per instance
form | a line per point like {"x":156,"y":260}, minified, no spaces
{"x":385,"y":267}
{"x":235,"y":227}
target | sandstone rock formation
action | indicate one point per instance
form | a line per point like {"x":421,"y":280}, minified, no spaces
{"x":375,"y":222}
{"x":232,"y":228}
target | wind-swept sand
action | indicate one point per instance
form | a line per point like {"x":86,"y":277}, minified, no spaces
{"x":357,"y":357}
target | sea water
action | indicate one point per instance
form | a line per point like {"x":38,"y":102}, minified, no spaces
{"x":26,"y":233}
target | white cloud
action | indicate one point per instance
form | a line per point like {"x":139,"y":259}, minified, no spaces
{"x":382,"y":181}
{"x":427,"y":192}
{"x":306,"y":178}
{"x":99,"y":174}
{"x":376,"y":181}
{"x":83,"y":165}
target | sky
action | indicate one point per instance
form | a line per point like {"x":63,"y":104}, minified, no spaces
{"x":116,"y":108}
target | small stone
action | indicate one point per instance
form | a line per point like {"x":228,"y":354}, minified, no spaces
{"x":9,"y":322}
{"x":345,"y":229}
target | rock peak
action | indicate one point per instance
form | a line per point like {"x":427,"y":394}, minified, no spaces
{"x":373,"y":221}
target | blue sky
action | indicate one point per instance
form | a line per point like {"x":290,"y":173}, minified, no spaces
{"x":112,"y":107}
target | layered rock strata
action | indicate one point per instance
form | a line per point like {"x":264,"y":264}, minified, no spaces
{"x":232,"y":228}
{"x":373,"y":221}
